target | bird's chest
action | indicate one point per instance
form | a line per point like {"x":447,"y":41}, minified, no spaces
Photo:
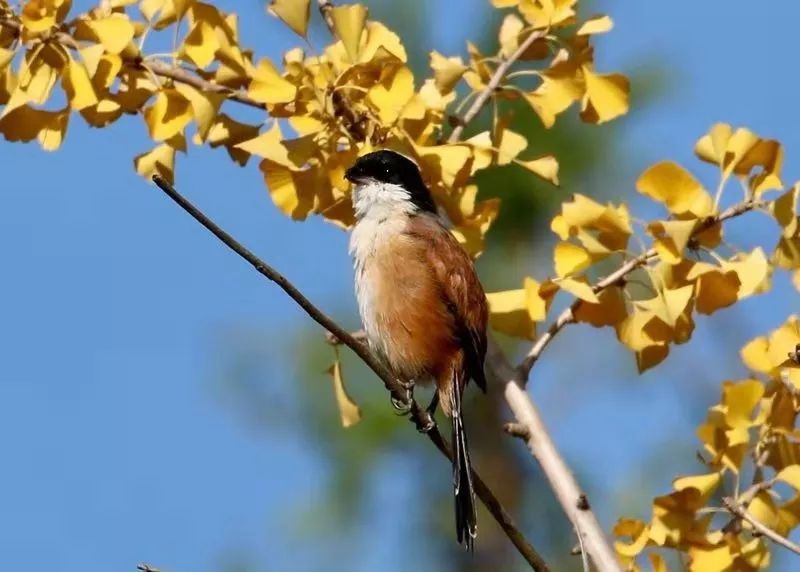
{"x":391,"y":281}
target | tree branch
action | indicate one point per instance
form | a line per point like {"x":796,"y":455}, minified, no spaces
{"x":573,"y":501}
{"x":568,"y":315}
{"x":419,"y":416}
{"x":494,"y":82}
{"x":175,"y":73}
{"x":738,"y":510}
{"x":325,"y":9}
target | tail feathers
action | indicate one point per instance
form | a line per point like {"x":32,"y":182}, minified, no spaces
{"x":466,"y":515}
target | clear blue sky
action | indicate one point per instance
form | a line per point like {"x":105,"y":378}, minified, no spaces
{"x":115,"y":447}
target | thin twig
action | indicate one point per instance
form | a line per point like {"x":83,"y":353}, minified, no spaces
{"x":419,"y":415}
{"x":737,"y":509}
{"x":326,"y":9}
{"x":494,"y":82}
{"x":568,"y":315}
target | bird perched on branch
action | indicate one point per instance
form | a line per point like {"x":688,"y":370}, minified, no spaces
{"x":423,"y":309}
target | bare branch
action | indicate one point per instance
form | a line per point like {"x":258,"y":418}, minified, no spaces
{"x":494,"y":82}
{"x":421,"y":418}
{"x":568,"y":315}
{"x":572,"y":500}
{"x":737,"y":509}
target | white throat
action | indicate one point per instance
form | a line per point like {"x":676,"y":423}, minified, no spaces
{"x":382,"y":210}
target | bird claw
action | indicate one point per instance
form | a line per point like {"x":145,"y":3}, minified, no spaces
{"x":403,"y":406}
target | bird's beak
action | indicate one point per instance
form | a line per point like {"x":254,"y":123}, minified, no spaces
{"x":354,"y":175}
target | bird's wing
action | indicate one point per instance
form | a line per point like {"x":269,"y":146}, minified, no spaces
{"x":461,"y":292}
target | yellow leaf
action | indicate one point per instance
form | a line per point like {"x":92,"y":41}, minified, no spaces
{"x":160,"y":161}
{"x":446,"y":71}
{"x":380,"y":38}
{"x":670,"y":184}
{"x":294,"y":13}
{"x":704,"y":484}
{"x":390,"y":95}
{"x":756,"y":554}
{"x":755,"y":355}
{"x":753,"y":271}
{"x":205,"y":106}
{"x":560,"y":88}
{"x":41,"y":15}
{"x":292,"y":154}
{"x":230,"y":133}
{"x":200,"y":44}
{"x":168,"y":116}
{"x":291,"y":191}
{"x":606,"y":96}
{"x":114,"y":31}
{"x":595,"y":25}
{"x":739,"y":152}
{"x":570,"y":258}
{"x":740,"y":400}
{"x":669,"y":304}
{"x":78,"y":86}
{"x":445,"y":162}
{"x":546,"y":167}
{"x":710,"y":558}
{"x":671,"y":238}
{"x":578,"y":287}
{"x":715,"y":288}
{"x":607,"y":227}
{"x":25,"y":124}
{"x":638,"y":533}
{"x":508,"y":313}
{"x":796,"y":279}
{"x":790,"y":475}
{"x":785,"y":211}
{"x":267,"y":85}
{"x":349,"y":412}
{"x":348,"y":23}
{"x":610,"y":311}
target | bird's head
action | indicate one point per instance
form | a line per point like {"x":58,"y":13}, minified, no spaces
{"x":388,"y":180}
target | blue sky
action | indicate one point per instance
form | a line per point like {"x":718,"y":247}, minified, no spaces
{"x":114,"y":443}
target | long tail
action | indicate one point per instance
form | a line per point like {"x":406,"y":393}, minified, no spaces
{"x":466,"y":516}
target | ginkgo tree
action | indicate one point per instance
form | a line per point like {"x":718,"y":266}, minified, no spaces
{"x":322,"y":109}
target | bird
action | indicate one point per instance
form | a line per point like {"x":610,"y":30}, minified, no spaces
{"x":421,"y":303}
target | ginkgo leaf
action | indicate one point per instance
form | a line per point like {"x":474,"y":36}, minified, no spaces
{"x":671,"y":184}
{"x":446,"y":71}
{"x":205,"y":106}
{"x":200,"y":44}
{"x":545,"y":167}
{"x":294,"y":13}
{"x":739,"y":152}
{"x":349,"y":412}
{"x":168,"y":115}
{"x":158,"y":161}
{"x":578,"y":287}
{"x":570,"y":258}
{"x":78,"y":86}
{"x":595,"y":25}
{"x":268,"y":86}
{"x":348,"y":23}
{"x":704,"y":484}
{"x":671,"y":238}
{"x":508,"y":313}
{"x":390,"y":96}
{"x":291,"y":191}
{"x":114,"y":31}
{"x":606,"y":96}
{"x":609,"y":311}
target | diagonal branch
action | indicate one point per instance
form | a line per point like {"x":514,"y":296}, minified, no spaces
{"x":419,"y":416}
{"x":738,"y":510}
{"x":494,"y":82}
{"x":568,"y":315}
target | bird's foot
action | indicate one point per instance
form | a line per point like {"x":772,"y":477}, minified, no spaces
{"x":403,"y":405}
